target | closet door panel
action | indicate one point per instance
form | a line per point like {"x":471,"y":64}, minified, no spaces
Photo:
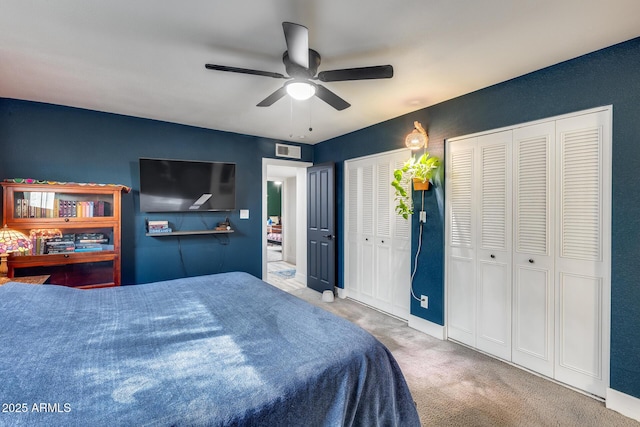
{"x":494,"y":308}
{"x":367,"y":236}
{"x":461,"y":241}
{"x":494,"y":244}
{"x":385,"y":281}
{"x":579,"y":335}
{"x":532,"y":319}
{"x":353,"y":255}
{"x":582,"y":253}
{"x":400,"y":262}
{"x":378,"y":242}
{"x":533,"y":262}
{"x":461,"y":307}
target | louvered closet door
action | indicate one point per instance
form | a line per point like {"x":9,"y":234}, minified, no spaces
{"x":533,"y":298}
{"x":461,"y":241}
{"x":493,"y":256}
{"x":400,"y":261}
{"x":378,"y":245}
{"x":582,"y":252}
{"x":366,"y":274}
{"x":353,"y":201}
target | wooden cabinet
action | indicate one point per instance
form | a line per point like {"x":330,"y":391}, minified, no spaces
{"x":74,"y":230}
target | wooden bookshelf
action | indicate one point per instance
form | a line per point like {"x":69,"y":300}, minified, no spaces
{"x":46,"y":212}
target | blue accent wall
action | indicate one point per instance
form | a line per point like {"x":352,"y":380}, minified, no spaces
{"x":607,"y":77}
{"x":58,"y":143}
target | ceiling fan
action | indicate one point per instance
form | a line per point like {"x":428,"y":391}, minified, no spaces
{"x":301,"y":64}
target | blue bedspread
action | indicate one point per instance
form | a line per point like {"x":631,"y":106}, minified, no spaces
{"x":218,"y":350}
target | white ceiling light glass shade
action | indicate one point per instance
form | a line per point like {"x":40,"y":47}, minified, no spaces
{"x":300,"y":90}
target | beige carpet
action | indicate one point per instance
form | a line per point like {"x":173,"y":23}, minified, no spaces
{"x":455,"y":386}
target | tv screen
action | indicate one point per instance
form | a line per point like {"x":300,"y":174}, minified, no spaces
{"x":186,"y":186}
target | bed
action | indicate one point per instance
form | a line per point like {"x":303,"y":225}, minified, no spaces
{"x":274,"y":234}
{"x":219,"y":350}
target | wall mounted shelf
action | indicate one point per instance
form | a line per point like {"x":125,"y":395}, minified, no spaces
{"x":189,"y":233}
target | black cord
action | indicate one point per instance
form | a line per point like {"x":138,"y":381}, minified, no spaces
{"x":184,"y":268}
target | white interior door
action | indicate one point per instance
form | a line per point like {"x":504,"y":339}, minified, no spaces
{"x":582,"y":252}
{"x":494,"y":244}
{"x":461,"y":242}
{"x":533,"y":298}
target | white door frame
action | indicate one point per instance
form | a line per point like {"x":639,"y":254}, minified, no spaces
{"x":301,"y":223}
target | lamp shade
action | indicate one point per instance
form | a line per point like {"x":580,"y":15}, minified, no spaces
{"x":13,"y":241}
{"x":415,"y":140}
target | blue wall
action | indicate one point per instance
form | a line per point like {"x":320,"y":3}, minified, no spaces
{"x":606,"y":77}
{"x":67,"y":144}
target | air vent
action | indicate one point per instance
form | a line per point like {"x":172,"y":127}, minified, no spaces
{"x":290,"y":151}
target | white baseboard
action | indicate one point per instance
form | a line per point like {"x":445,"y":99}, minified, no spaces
{"x":342,"y":293}
{"x":302,"y":278}
{"x":627,"y":405}
{"x":429,"y":328}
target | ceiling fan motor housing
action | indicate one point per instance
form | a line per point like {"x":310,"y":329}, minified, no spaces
{"x":299,"y":72}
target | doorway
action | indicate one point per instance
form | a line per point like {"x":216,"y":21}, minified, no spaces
{"x":284,"y":254}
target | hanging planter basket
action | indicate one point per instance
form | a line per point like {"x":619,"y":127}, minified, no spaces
{"x":419,"y":184}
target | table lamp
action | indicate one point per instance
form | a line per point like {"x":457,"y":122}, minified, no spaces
{"x":11,"y":241}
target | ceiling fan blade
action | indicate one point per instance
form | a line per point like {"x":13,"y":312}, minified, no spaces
{"x":362,"y":73}
{"x":269,"y":100}
{"x":297,"y":38}
{"x":244,"y":71}
{"x":331,"y":98}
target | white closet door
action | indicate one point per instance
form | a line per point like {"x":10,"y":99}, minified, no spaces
{"x":366,"y":274}
{"x":582,"y":252}
{"x":353,"y":255}
{"x":461,"y":242}
{"x":378,"y":244}
{"x":400,"y":262}
{"x":533,"y":298}
{"x":493,"y":256}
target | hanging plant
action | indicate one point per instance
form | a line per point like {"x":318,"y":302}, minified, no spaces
{"x":420,"y":171}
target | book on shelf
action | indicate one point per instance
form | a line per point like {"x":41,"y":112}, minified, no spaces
{"x":41,"y":204}
{"x":160,"y":230}
{"x":158,"y":226}
{"x":65,"y":243}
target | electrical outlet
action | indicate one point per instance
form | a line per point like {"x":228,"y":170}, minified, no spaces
{"x":424,"y":301}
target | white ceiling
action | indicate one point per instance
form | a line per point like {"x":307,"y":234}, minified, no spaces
{"x":146,"y":58}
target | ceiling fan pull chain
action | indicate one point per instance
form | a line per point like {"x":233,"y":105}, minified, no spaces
{"x":291,"y":118}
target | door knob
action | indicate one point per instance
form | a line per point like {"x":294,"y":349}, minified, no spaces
{"x":531,"y":260}
{"x":493,"y":256}
{"x":329,"y":236}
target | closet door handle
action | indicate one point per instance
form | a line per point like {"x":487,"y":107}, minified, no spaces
{"x":531,"y":260}
{"x":493,"y":256}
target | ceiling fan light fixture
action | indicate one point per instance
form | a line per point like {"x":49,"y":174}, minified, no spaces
{"x":300,"y":90}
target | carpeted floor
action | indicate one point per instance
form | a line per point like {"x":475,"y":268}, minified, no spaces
{"x":456,"y":386}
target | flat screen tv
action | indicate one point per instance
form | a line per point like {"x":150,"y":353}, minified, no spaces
{"x":186,"y":186}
